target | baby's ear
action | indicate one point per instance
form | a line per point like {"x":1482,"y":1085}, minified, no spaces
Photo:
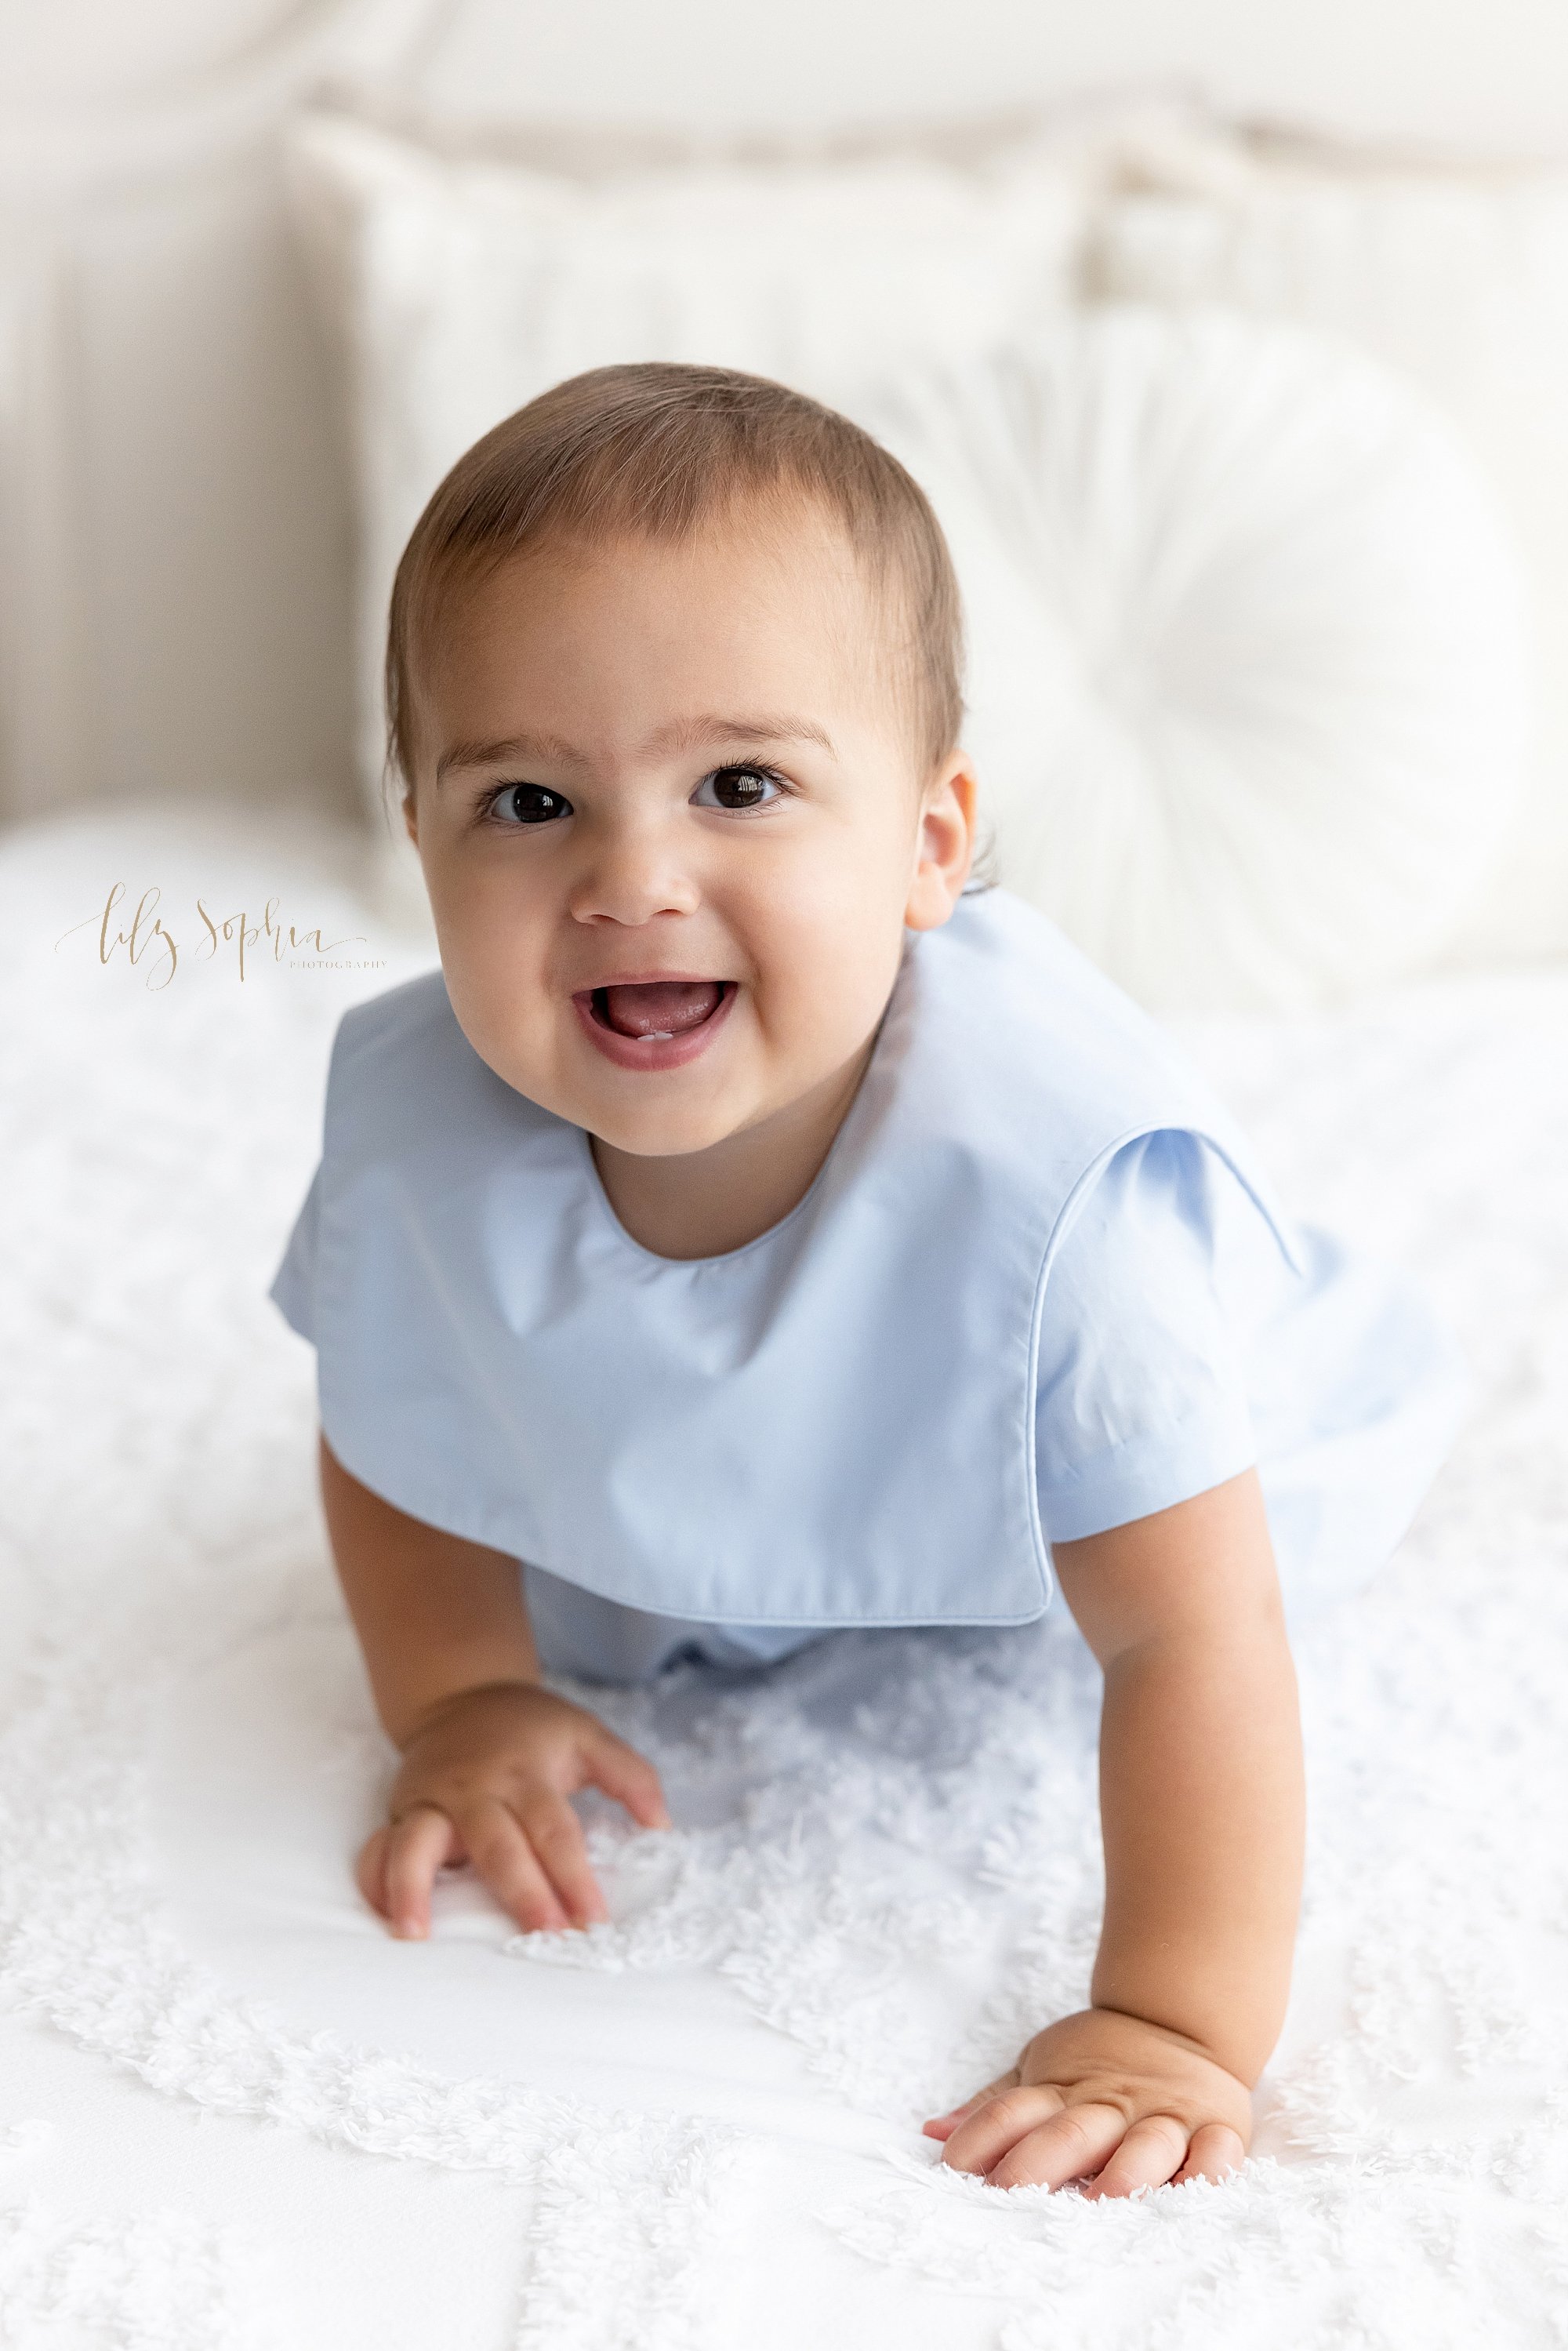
{"x":946,"y":843}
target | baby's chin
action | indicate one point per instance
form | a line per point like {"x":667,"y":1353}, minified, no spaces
{"x":668,"y":1131}
{"x":660,"y":1114}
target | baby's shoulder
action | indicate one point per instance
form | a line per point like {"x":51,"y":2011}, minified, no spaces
{"x":1012,"y":1032}
{"x":1071,"y":1091}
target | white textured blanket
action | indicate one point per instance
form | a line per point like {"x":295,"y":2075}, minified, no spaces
{"x":233,"y":2113}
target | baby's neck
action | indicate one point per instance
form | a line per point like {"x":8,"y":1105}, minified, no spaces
{"x":705,"y":1203}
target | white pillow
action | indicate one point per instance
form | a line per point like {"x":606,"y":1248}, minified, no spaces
{"x":469,"y":287}
{"x":1247,"y":689}
{"x":1459,"y":280}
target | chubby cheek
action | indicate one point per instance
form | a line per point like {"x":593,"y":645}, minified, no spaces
{"x":824,"y":959}
{"x":495,"y":980}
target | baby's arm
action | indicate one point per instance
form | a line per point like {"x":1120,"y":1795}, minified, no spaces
{"x":489,"y":1755}
{"x":1202,"y":1803}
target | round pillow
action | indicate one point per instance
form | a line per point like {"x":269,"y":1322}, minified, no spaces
{"x":1248,"y":682}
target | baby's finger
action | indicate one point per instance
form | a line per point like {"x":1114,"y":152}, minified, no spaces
{"x":1152,"y":2152}
{"x":944,"y":2126}
{"x":630,"y":1778}
{"x":371,"y":1868}
{"x":1215,"y":2152}
{"x":999,"y":2122}
{"x":555,"y":1834}
{"x":415,"y":1848}
{"x":1071,"y":2145}
{"x":509,"y":1865}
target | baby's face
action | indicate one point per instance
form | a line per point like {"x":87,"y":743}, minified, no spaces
{"x":673,"y":828}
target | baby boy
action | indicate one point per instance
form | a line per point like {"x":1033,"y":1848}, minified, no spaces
{"x":754,"y":1228}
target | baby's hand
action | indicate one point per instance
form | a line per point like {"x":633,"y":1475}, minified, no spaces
{"x":486,"y":1778}
{"x":1104,"y":2095}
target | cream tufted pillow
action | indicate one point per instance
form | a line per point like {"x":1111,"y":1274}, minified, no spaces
{"x":1247,"y":672}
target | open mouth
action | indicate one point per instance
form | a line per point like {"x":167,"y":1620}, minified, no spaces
{"x":654,"y":1024}
{"x":658,"y":1009}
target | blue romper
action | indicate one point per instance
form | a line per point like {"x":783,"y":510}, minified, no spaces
{"x":1037,"y":1289}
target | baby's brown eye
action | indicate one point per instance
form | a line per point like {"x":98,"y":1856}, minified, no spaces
{"x":529,"y":804}
{"x":737,"y":788}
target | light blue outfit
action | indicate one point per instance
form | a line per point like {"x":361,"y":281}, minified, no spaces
{"x":1037,"y":1289}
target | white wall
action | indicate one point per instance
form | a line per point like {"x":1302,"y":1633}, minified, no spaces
{"x":1477,"y":73}
{"x":175,"y":508}
{"x":1472,"y":73}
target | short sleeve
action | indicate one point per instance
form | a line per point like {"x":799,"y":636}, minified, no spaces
{"x":293,"y":1290}
{"x":1140,"y":1399}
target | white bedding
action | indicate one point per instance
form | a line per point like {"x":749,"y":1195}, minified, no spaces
{"x":233,"y":2113}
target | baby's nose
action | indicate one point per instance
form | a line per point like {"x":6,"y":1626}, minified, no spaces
{"x":629,"y":874}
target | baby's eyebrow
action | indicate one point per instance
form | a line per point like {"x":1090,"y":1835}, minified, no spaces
{"x":690,"y":733}
{"x":680,"y":734}
{"x":504,"y":748}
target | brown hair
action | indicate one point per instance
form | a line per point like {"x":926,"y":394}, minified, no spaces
{"x":656,"y":450}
